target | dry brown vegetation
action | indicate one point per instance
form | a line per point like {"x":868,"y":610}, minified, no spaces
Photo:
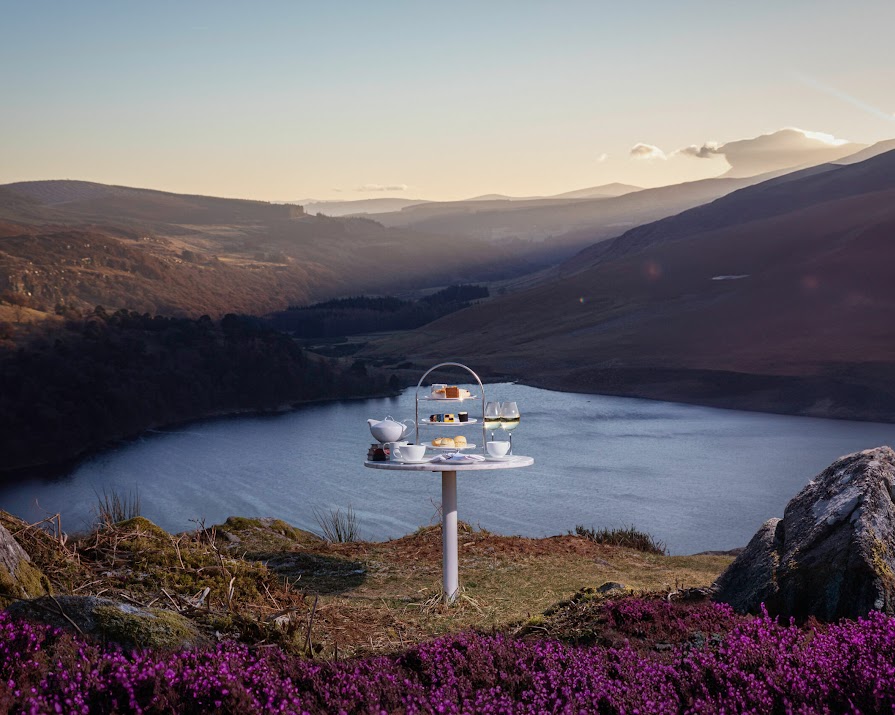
{"x":80,"y":244}
{"x":264,"y":581}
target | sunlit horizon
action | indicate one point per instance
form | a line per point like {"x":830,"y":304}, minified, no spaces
{"x":422,"y":102}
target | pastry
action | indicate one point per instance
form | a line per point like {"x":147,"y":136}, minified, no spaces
{"x":440,"y":392}
{"x":449,"y":417}
{"x":463,"y":417}
{"x":443,"y":442}
{"x":460,"y":441}
{"x":465,"y":393}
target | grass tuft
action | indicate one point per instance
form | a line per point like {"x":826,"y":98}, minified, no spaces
{"x":336,"y":526}
{"x":627,"y":536}
{"x":113,"y":507}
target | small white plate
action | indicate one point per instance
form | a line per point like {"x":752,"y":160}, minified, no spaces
{"x":466,"y":446}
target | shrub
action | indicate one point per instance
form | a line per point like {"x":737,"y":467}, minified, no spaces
{"x":759,"y":666}
{"x":627,"y":536}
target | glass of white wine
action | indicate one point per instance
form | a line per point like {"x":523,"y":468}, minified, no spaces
{"x":492,"y":417}
{"x":509,"y":419}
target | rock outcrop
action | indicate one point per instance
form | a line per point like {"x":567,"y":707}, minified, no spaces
{"x":19,"y":578}
{"x":109,"y":620}
{"x":833,"y":553}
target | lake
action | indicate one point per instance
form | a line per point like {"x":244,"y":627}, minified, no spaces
{"x":697,"y":478}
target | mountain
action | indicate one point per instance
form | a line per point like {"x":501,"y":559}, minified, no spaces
{"x":776,"y":297}
{"x":497,"y":197}
{"x":784,"y":194}
{"x":597,"y":192}
{"x":569,"y":224}
{"x":868,"y":153}
{"x":561,"y":227}
{"x":80,"y":243}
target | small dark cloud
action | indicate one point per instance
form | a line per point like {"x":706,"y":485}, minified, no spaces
{"x":706,"y":151}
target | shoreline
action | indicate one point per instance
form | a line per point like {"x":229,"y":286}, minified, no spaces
{"x":661,"y":385}
{"x":59,"y":467}
{"x":786,"y":395}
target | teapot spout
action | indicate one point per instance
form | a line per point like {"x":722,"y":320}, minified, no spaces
{"x":372,"y":422}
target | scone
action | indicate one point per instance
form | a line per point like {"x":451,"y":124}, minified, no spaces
{"x":460,"y":441}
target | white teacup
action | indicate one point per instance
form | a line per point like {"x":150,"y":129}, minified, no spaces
{"x":409,"y":452}
{"x":392,"y":446}
{"x":497,"y":448}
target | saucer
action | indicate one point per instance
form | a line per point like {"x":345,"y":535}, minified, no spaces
{"x":412,"y":461}
{"x":505,"y":458}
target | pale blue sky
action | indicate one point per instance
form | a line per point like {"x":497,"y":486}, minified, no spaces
{"x":289,"y":100}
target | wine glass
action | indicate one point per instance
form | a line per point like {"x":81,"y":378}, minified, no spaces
{"x":509,"y":419}
{"x":492,"y":417}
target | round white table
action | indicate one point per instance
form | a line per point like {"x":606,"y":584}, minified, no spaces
{"x":450,"y":577}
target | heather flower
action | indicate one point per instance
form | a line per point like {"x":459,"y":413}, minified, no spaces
{"x":753,"y":665}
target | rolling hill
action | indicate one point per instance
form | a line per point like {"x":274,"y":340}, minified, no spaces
{"x":357,"y":206}
{"x":565,"y":225}
{"x":599,"y":192}
{"x":80,"y":243}
{"x":776,"y":297}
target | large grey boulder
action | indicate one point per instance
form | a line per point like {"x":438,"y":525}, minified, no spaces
{"x":833,"y":553}
{"x":109,"y":620}
{"x":19,"y":578}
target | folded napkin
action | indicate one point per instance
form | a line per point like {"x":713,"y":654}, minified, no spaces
{"x":458,"y":458}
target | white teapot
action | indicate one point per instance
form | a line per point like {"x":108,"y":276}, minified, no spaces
{"x":388,"y":430}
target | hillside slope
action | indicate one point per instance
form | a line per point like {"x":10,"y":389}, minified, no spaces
{"x":777,"y":297}
{"x":80,"y":243}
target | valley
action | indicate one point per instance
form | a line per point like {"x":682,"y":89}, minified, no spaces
{"x":802,"y":327}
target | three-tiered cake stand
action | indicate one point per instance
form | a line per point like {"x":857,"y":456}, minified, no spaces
{"x":442,"y":400}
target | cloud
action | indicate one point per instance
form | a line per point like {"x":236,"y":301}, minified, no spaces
{"x":786,"y":148}
{"x":603,"y":157}
{"x":382,"y":187}
{"x":706,"y":151}
{"x":647,"y":151}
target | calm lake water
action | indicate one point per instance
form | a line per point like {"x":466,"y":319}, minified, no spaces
{"x":695,"y":477}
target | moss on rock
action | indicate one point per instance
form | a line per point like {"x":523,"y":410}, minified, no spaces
{"x":108,"y":620}
{"x":27,"y":582}
{"x":257,"y":527}
{"x":142,"y":524}
{"x":146,"y":628}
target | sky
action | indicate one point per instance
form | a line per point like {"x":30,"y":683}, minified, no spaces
{"x":438,"y":100}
